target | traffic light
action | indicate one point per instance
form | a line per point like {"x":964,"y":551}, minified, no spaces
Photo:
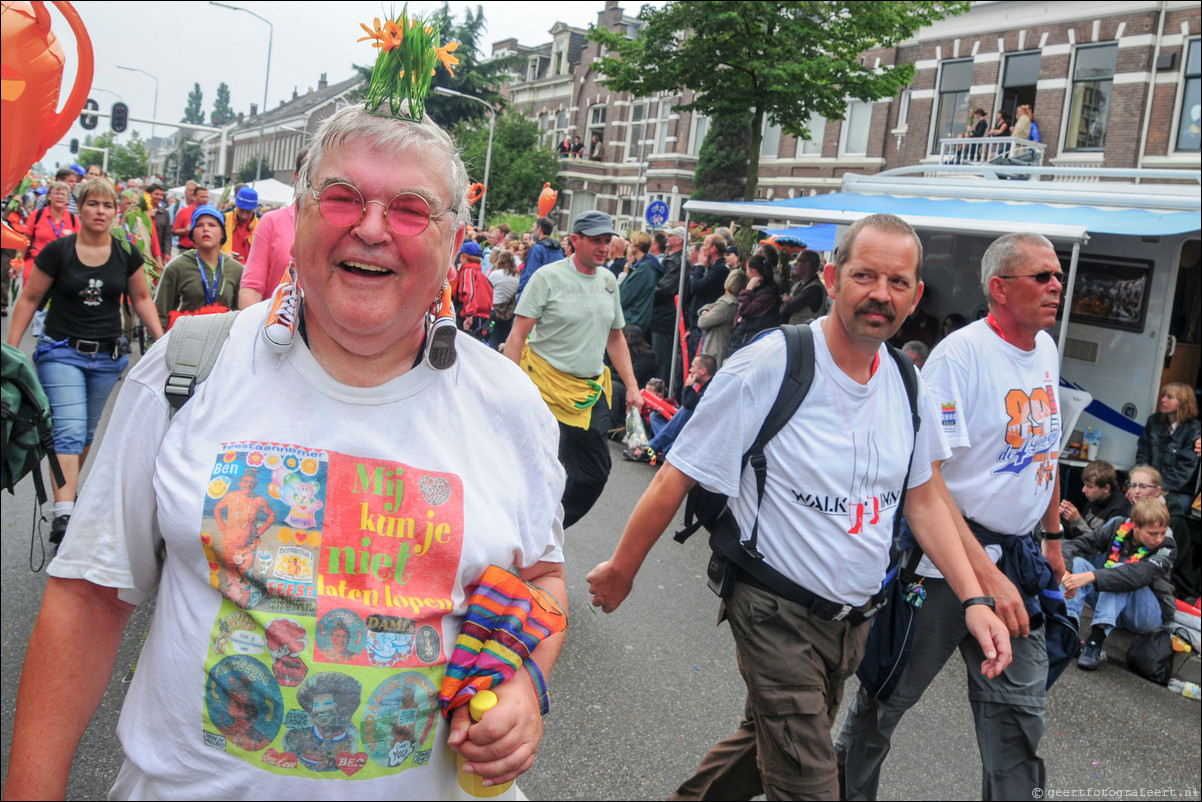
{"x":88,"y":121}
{"x":120,"y":118}
{"x":75,"y":146}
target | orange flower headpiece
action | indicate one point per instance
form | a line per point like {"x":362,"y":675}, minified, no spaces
{"x":409,"y":53}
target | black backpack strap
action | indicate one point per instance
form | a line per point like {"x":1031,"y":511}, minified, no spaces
{"x":799,"y":375}
{"x":909,"y":376}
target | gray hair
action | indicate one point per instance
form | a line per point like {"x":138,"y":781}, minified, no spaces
{"x":919,"y":349}
{"x":887,"y":223}
{"x":386,"y":133}
{"x":1006,"y":253}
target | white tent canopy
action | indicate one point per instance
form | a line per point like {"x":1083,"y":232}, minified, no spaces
{"x":271,"y":192}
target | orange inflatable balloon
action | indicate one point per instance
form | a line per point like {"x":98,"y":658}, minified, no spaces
{"x":546,"y":200}
{"x":31,"y":73}
{"x":474,"y":193}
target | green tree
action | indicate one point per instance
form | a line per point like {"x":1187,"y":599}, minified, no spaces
{"x":520,"y":165}
{"x":130,"y":160}
{"x":723,"y":159}
{"x":222,"y":112}
{"x":87,"y":158}
{"x":472,"y":76}
{"x":779,"y":61}
{"x":193,"y":113}
{"x":182,"y":163}
{"x":247,"y":172}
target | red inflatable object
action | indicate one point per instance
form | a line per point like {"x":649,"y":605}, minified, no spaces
{"x":546,"y":200}
{"x":475,"y":192}
{"x":31,"y":74}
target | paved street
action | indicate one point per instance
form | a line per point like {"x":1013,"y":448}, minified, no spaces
{"x":638,"y":696}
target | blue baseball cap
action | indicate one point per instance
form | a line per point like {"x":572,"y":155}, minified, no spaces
{"x":79,"y":170}
{"x":470,"y":248}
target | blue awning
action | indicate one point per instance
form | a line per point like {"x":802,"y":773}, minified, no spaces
{"x":954,"y":214}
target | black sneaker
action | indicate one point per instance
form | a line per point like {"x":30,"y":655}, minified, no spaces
{"x":1091,"y":657}
{"x":59,"y":528}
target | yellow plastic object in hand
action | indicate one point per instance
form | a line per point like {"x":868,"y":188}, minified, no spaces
{"x":481,"y":703}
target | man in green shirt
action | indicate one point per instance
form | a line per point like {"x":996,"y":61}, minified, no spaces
{"x":572,"y":314}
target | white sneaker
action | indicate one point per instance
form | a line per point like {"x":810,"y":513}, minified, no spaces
{"x":279,"y":330}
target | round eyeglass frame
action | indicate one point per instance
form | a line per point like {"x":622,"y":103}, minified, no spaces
{"x":363,"y":213}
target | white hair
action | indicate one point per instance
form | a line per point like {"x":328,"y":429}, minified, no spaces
{"x":389,"y":134}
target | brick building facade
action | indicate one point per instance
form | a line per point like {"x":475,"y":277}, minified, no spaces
{"x":1113,"y":84}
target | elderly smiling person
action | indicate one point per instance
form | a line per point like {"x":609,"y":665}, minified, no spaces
{"x":381,"y":471}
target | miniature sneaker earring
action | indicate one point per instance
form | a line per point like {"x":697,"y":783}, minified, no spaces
{"x":440,"y":348}
{"x":279,"y":329}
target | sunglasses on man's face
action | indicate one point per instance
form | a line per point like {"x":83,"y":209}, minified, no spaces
{"x":1042,"y":277}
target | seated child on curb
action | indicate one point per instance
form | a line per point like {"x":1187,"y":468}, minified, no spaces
{"x":1103,"y":500}
{"x":655,"y":400}
{"x":1121,"y":570}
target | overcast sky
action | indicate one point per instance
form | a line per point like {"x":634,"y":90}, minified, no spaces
{"x":182,"y":43}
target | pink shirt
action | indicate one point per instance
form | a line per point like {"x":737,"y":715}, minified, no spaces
{"x":271,"y":251}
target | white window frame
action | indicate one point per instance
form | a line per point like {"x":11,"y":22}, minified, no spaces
{"x":699,"y":126}
{"x":1179,"y":101}
{"x":845,"y":128}
{"x":933,"y":145}
{"x":817,"y":133}
{"x":635,"y":131}
{"x":663,"y":126}
{"x":1071,"y":91}
{"x":770,"y":134}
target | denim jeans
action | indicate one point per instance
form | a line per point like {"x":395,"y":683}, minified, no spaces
{"x":1136,"y":610}
{"x":666,"y":434}
{"x":78,"y":386}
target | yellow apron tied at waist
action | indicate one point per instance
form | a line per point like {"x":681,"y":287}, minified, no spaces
{"x":570,"y":399}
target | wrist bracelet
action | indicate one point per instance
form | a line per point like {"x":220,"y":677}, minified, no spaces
{"x":985,"y":600}
{"x":1052,"y":535}
{"x":540,"y":686}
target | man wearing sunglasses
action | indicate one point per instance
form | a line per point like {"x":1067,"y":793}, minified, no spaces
{"x":997,"y":383}
{"x":378,"y":464}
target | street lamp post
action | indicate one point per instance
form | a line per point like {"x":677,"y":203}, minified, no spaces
{"x":263,"y":112}
{"x":492,"y":122}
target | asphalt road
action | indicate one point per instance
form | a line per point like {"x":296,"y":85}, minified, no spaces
{"x":639,"y":696}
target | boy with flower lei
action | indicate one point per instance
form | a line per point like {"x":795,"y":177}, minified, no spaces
{"x":1122,"y":570}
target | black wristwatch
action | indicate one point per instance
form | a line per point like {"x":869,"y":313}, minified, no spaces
{"x":985,"y":600}
{"x":1051,"y":535}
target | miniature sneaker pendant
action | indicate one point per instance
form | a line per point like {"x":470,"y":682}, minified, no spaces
{"x":279,"y":330}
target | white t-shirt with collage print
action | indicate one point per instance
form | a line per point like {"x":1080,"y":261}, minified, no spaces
{"x":319,"y":539}
{"x":835,"y":472}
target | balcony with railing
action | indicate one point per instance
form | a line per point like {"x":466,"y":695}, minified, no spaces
{"x":1001,"y":150}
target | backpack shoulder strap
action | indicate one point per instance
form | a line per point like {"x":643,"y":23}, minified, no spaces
{"x":909,"y":376}
{"x":192,"y":350}
{"x":799,"y":375}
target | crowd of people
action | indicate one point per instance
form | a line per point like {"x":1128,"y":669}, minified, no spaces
{"x":1022,"y":126}
{"x":109,"y":260}
{"x":372,"y":438}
